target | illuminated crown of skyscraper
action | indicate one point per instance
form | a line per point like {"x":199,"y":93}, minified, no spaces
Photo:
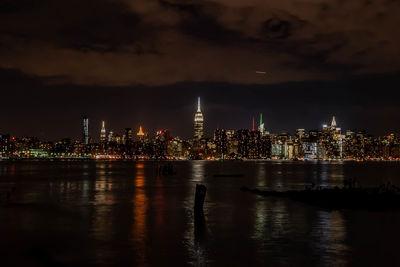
{"x":333,"y":123}
{"x":103,"y":132}
{"x":140,"y":133}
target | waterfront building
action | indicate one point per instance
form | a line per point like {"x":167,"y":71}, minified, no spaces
{"x":309,"y":150}
{"x":254,"y":145}
{"x":232,"y":143}
{"x":175,"y":147}
{"x":161,"y":144}
{"x":277,"y":150}
{"x":198,"y":122}
{"x":221,"y":143}
{"x":128,"y":136}
{"x":265,"y":147}
{"x":243,"y":139}
{"x":110,"y":136}
{"x":5,"y":146}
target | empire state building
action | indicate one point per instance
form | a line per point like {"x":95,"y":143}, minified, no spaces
{"x":198,"y":122}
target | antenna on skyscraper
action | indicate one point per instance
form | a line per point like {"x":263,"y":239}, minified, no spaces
{"x":198,"y":104}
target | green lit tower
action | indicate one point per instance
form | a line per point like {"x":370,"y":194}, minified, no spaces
{"x":261,"y":126}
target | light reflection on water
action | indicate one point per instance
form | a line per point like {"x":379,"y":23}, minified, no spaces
{"x":329,"y":233}
{"x":140,"y":203}
{"x":195,"y":237}
{"x":125,"y":213}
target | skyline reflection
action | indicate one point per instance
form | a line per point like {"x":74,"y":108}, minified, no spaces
{"x":123,"y":213}
{"x":140,"y":213}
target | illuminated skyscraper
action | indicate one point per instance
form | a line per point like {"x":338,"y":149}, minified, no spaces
{"x":140,"y":134}
{"x":85,"y":131}
{"x":110,"y":136}
{"x":103,"y":132}
{"x":198,"y":122}
{"x":261,"y":126}
{"x":333,"y":123}
{"x":128,"y":136}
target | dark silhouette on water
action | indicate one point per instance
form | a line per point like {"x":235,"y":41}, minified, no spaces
{"x":10,"y":195}
{"x":199,"y":197}
{"x":200,"y":233}
{"x":200,"y":227}
{"x":385,"y":197}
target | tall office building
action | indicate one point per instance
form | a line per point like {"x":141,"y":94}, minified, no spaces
{"x":198,"y":122}
{"x":110,"y":137}
{"x":103,"y":136}
{"x":85,"y":131}
{"x":128,"y":136}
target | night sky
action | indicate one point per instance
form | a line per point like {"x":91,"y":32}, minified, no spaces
{"x":144,"y":62}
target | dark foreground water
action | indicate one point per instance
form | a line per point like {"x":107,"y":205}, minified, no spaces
{"x":123,"y":213}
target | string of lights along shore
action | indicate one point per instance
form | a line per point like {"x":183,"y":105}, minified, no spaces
{"x":256,"y":143}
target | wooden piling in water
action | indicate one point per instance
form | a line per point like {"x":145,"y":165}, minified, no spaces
{"x":199,"y":198}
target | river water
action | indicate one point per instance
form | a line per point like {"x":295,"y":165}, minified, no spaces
{"x":124,"y":213}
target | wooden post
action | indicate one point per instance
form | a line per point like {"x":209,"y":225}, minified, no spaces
{"x":199,"y":197}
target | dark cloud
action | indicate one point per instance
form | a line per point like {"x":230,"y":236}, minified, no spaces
{"x":11,"y":6}
{"x":99,"y":25}
{"x":124,"y":42}
{"x":277,"y":28}
{"x":207,"y":28}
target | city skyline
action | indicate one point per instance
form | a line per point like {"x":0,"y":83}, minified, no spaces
{"x":199,"y":129}
{"x":378,"y":123}
{"x":256,"y":143}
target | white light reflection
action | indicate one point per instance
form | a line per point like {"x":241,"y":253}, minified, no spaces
{"x":196,"y":232}
{"x":329,"y":234}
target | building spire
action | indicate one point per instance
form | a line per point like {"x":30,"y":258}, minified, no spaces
{"x":103,"y":132}
{"x":333,"y":123}
{"x":253,"y":124}
{"x":260,"y":119}
{"x":198,"y":122}
{"x":140,"y":133}
{"x":198,"y":104}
